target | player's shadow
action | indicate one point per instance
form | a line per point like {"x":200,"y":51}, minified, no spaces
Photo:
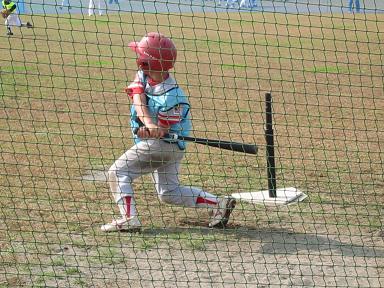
{"x":285,"y":242}
{"x":288,"y":242}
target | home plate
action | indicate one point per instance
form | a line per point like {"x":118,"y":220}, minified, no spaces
{"x":96,"y":175}
{"x":284,"y":196}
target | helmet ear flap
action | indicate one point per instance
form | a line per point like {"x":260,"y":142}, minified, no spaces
{"x":148,"y":64}
{"x":142,"y":64}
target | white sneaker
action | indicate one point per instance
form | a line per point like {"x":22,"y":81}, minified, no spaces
{"x":220,"y":215}
{"x":132,"y":224}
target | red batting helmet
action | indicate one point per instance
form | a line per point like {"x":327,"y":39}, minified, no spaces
{"x":156,"y":52}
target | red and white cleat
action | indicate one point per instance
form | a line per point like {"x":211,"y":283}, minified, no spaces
{"x":132,"y":224}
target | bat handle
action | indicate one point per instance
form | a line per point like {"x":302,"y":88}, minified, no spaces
{"x":166,"y":136}
{"x":171,"y":136}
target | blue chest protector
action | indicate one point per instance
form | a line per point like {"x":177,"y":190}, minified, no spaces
{"x":162,"y":98}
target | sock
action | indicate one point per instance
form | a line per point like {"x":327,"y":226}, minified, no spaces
{"x":206,"y":200}
{"x":127,"y":207}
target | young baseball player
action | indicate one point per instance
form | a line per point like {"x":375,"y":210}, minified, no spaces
{"x":11,"y":17}
{"x":159,"y":106}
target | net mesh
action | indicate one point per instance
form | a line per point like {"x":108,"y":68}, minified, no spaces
{"x":65,"y":119}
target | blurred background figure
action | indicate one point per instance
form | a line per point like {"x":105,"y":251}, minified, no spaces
{"x":245,"y":4}
{"x":218,"y":2}
{"x":65,"y":3}
{"x":11,"y":16}
{"x":111,"y":1}
{"x":248,"y":4}
{"x":357,"y":6}
{"x":231,"y":3}
{"x":91,"y":7}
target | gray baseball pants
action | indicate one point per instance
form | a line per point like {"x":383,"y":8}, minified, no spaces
{"x":162,"y":160}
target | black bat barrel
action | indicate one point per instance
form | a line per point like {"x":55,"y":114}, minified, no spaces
{"x":227,"y":145}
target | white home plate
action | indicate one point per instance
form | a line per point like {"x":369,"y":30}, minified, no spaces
{"x":96,"y":175}
{"x":284,"y":196}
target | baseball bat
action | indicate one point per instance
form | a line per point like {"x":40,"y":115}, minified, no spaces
{"x":227,"y":145}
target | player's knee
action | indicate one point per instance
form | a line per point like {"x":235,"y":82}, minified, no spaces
{"x":166,"y":197}
{"x":170,"y":197}
{"x":112,"y":175}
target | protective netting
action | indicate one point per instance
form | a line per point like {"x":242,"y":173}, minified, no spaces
{"x":65,"y":119}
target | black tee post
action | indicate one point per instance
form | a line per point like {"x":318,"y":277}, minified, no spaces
{"x":271,"y":170}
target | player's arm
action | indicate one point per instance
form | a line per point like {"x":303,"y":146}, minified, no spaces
{"x":6,"y":12}
{"x":136,"y":92}
{"x":150,"y":129}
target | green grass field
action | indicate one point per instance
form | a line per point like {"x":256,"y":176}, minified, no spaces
{"x":64,"y":115}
